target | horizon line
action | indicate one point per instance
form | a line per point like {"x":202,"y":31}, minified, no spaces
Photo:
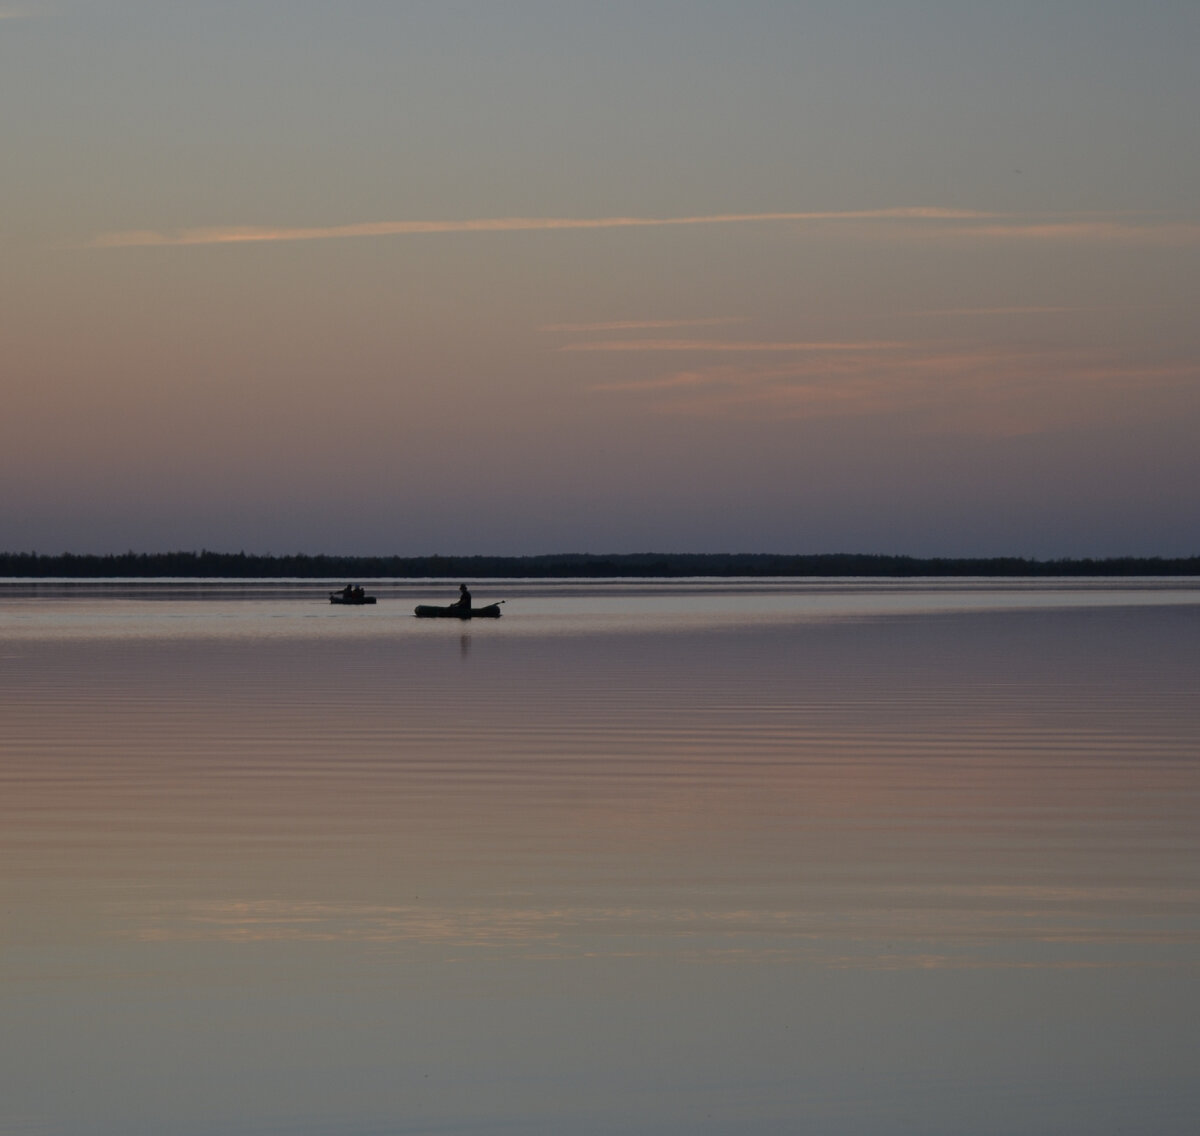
{"x":7,"y":557}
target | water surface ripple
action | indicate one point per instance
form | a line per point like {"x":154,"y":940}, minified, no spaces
{"x":654,"y":857}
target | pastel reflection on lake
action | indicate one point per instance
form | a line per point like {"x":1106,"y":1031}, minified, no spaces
{"x":787,"y":856}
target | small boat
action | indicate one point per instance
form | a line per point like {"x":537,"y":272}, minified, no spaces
{"x":429,"y":611}
{"x":338,"y":598}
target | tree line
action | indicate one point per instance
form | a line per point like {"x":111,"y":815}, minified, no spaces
{"x":206,"y":564}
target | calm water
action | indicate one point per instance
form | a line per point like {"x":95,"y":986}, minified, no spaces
{"x":693,"y":857}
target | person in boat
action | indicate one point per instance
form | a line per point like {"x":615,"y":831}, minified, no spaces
{"x":348,"y":592}
{"x":359,"y":593}
{"x":464,"y":599}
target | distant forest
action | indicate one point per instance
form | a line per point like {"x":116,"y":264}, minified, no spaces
{"x":572,"y":565}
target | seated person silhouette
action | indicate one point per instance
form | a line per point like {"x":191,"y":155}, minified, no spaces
{"x":463,"y":605}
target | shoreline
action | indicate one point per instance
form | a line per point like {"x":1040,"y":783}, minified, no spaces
{"x":240,"y":565}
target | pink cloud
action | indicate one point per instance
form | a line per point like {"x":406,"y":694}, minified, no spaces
{"x":731,"y":346}
{"x":245,"y":234}
{"x":642,"y":325}
{"x":1082,"y":231}
{"x":948,"y":223}
{"x":984,"y":391}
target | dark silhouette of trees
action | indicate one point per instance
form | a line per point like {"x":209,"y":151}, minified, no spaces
{"x":240,"y":565}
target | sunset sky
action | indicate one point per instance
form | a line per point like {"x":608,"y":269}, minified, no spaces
{"x":526,"y":276}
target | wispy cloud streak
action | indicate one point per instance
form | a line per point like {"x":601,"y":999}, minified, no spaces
{"x":247,"y":234}
{"x":1086,"y":232}
{"x":945,"y":223}
{"x":983,"y":390}
{"x":1012,"y":311}
{"x":730,"y":346}
{"x":642,"y":325}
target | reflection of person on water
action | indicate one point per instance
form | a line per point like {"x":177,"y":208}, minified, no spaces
{"x":464,"y":599}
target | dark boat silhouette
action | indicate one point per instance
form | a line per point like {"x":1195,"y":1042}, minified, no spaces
{"x":453,"y":611}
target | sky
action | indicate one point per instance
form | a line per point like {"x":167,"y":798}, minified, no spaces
{"x":532,"y":276}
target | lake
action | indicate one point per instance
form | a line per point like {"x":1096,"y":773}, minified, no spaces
{"x":691,"y":856}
